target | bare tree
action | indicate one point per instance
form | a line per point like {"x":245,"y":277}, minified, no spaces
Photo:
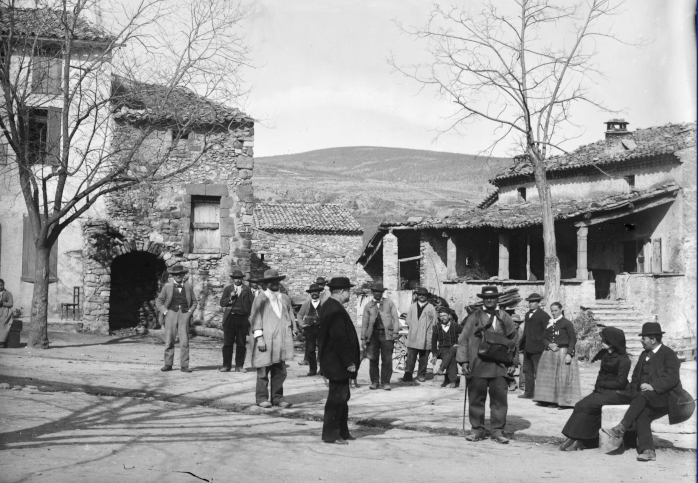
{"x":63,"y":76}
{"x":521,"y":67}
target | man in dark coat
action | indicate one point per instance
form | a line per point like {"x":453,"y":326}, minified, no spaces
{"x":531,"y":344}
{"x":444,"y":345}
{"x":339,"y":359}
{"x":308,"y":321}
{"x":237,"y":301}
{"x":656,"y":391}
{"x":482,"y":375}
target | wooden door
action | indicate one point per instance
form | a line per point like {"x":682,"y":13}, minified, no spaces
{"x":206,"y":226}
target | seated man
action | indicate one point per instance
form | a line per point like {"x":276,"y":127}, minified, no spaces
{"x":444,"y":345}
{"x":656,"y":391}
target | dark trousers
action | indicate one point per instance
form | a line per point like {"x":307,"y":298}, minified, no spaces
{"x":380,"y":347}
{"x":585,"y":421}
{"x":644,"y":408}
{"x":235,"y":330}
{"x":310,"y":332}
{"x":278,"y":376}
{"x":336,"y":420}
{"x":530,"y":368}
{"x":449,"y":366}
{"x":477,"y":392}
{"x":412,"y":355}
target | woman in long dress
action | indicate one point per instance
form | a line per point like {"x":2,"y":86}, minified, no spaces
{"x":557,"y":379}
{"x":610,"y":389}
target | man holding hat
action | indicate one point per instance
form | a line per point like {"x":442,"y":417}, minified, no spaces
{"x":486,"y":375}
{"x":177,"y":303}
{"x":273,"y":327}
{"x":421,"y":318}
{"x":237,"y":302}
{"x":308,"y":321}
{"x":656,"y":391}
{"x":380,"y":328}
{"x":339,"y":359}
{"x":532,"y":345}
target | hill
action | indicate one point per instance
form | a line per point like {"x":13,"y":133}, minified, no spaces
{"x":377,"y":183}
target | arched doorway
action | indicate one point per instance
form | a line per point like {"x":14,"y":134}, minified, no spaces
{"x":136,"y":280}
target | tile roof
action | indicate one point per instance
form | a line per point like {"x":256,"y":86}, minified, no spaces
{"x":137,"y":102}
{"x":310,"y":218}
{"x":640,"y":145}
{"x":46,"y":23}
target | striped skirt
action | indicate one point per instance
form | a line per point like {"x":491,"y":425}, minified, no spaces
{"x":557,"y":382}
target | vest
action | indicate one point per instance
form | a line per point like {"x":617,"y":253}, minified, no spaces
{"x":238,"y":307}
{"x":646,"y":369}
{"x":312,"y":315}
{"x":179,"y":300}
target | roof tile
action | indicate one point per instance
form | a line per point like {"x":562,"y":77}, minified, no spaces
{"x":47,"y":23}
{"x":309,"y":218}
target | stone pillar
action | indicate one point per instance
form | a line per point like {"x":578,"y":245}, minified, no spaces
{"x":503,"y":256}
{"x":390,"y":262}
{"x":451,"y":255}
{"x":582,"y":271}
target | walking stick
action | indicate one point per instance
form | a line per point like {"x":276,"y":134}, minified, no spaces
{"x":465,"y":399}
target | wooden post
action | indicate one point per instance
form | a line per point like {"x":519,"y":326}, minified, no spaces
{"x":451,"y":254}
{"x":528,"y":257}
{"x":391,"y":265}
{"x":503,"y":256}
{"x":582,"y":271}
{"x":657,"y":255}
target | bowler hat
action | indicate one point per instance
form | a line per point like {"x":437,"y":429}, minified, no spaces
{"x":339,"y":282}
{"x":444,"y":310}
{"x":378,"y":287}
{"x":237,"y":274}
{"x":534,"y":297}
{"x":271,"y":275}
{"x":489,"y":293}
{"x":651,"y":328}
{"x":177,"y":269}
{"x":314,"y":288}
{"x":320,"y":280}
{"x":421,"y":291}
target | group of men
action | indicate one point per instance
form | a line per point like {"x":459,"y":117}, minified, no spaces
{"x":265,"y":313}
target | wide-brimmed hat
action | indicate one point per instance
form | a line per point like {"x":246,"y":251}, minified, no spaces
{"x":443,"y":310}
{"x":340,"y":282}
{"x":378,"y":287}
{"x":421,"y":291}
{"x":651,"y":328}
{"x":489,"y":292}
{"x":314,"y":288}
{"x":320,"y":280}
{"x":534,"y":297}
{"x":237,"y":274}
{"x":516,"y":318}
{"x":271,"y":275}
{"x":177,"y":269}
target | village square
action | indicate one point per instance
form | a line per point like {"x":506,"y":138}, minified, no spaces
{"x":338,"y":241}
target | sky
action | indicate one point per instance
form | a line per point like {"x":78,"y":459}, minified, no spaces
{"x":322,"y":79}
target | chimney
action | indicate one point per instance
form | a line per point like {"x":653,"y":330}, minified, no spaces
{"x":618,"y":138}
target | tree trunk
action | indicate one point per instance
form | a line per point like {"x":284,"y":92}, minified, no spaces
{"x":38,"y":325}
{"x":552,"y":262}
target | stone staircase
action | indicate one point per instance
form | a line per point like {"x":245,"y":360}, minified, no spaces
{"x":610,"y":313}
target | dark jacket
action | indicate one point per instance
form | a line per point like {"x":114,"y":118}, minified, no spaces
{"x":245,"y":300}
{"x":468,"y":343}
{"x":613,"y":374}
{"x":338,"y":346}
{"x":441,"y":338}
{"x":534,"y":326}
{"x":389,"y":318}
{"x":561,"y":333}
{"x":665,"y":379}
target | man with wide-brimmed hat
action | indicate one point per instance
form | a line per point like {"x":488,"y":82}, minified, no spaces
{"x":487,"y":375}
{"x":177,"y":303}
{"x":308,"y":321}
{"x":380,"y":328}
{"x":656,"y":391}
{"x":237,"y":302}
{"x":531,"y":343}
{"x":273,"y":327}
{"x":325,"y":290}
{"x":339,"y":358}
{"x":420,"y":320}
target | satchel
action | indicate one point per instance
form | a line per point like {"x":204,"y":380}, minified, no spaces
{"x":495,"y":347}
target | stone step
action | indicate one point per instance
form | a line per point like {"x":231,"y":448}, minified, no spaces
{"x":619,"y":311}
{"x":64,"y":325}
{"x":630,"y":319}
{"x":607,"y":306}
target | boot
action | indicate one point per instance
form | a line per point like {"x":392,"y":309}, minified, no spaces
{"x":616,"y":432}
{"x":566,"y":444}
{"x":647,"y":455}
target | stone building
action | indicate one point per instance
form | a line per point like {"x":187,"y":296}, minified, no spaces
{"x":306,"y":241}
{"x":625,"y":222}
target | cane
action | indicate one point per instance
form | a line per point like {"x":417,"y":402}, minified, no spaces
{"x":465,"y":399}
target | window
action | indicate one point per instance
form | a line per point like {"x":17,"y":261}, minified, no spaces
{"x":46,"y":75}
{"x":206,"y":233}
{"x":29,"y":255}
{"x":630,"y":180}
{"x":43,"y":132}
{"x":522,"y":194}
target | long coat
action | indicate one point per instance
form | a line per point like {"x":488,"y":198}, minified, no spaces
{"x":420,"y":329}
{"x":339,"y":344}
{"x":664,"y":379}
{"x":276,"y":332}
{"x":245,"y":297}
{"x":468,"y":343}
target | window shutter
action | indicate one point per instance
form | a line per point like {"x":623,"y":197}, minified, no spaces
{"x":29,"y":255}
{"x":38,"y":65}
{"x":53,"y":136}
{"x":206,"y":226}
{"x":55,"y":75}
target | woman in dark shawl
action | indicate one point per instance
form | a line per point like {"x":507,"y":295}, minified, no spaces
{"x":610,"y":389}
